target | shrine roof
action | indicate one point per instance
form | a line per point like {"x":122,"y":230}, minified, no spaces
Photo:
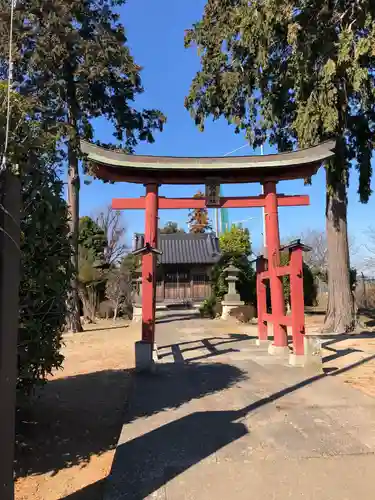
{"x":187,"y":248}
{"x":117,"y":166}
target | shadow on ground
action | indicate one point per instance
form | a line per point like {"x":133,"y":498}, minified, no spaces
{"x":105,"y":327}
{"x":61,"y":427}
{"x":170,"y":317}
{"x":144,"y":464}
{"x":180,"y":350}
{"x":64,"y":428}
{"x":91,"y":492}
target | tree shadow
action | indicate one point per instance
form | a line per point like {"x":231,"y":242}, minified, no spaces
{"x":93,"y":491}
{"x":144,"y":464}
{"x":209,"y":344}
{"x":329,"y":339}
{"x":104,"y":327}
{"x":77,"y":417}
{"x":184,"y":315}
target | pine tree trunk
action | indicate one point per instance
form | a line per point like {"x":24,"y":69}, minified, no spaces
{"x":88,"y":315}
{"x":340,"y":312}
{"x":73,"y":319}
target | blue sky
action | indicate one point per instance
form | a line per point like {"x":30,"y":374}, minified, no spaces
{"x":156,"y":36}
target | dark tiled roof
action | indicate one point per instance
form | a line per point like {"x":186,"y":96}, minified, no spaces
{"x":188,"y":248}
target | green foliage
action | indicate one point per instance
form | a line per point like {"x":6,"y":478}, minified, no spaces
{"x":290,"y":71}
{"x":236,"y":241}
{"x":74,"y":56}
{"x":296,"y":73}
{"x":246,"y":285}
{"x":30,"y":142}
{"x":45,"y":249}
{"x":207,"y":308}
{"x":309,"y":285}
{"x":45,"y":276}
{"x":92,"y":244}
{"x":235,"y":246}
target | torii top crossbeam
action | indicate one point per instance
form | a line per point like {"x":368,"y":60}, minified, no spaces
{"x":116,"y":166}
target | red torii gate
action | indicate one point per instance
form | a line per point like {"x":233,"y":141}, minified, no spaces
{"x":268,"y":170}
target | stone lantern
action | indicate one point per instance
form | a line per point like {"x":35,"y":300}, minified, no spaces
{"x":232,"y":299}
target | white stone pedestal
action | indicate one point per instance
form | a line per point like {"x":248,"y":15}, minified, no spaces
{"x":228,"y":306}
{"x":313,"y":353}
{"x":262,"y":343}
{"x":137,"y":313}
{"x":145,"y":356}
{"x":280,"y":351}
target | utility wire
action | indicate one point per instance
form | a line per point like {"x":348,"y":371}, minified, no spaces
{"x":10,"y":81}
{"x":235,"y":150}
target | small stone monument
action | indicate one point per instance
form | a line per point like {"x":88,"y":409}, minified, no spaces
{"x":232,"y":299}
{"x":137,"y":301}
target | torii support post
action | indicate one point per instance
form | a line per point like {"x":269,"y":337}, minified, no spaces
{"x":261,"y":301}
{"x":10,"y":199}
{"x":280,"y":342}
{"x":297,"y":300}
{"x":145,"y":348}
{"x":300,"y":355}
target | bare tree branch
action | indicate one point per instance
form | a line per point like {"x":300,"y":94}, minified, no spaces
{"x":111,"y":222}
{"x":369,"y":262}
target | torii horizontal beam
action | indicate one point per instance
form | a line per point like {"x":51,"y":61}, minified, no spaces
{"x":197,"y":203}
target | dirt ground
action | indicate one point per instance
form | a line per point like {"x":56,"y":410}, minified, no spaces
{"x":353,"y":356}
{"x":66,"y":440}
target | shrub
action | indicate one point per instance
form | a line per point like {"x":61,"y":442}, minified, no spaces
{"x":207,"y":308}
{"x":45,"y":276}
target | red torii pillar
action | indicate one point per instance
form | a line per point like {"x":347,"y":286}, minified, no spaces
{"x":152,"y":203}
{"x":149,"y":265}
{"x":280,"y":342}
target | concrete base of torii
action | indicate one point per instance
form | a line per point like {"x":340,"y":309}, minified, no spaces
{"x":312,"y":356}
{"x":146,"y":357}
{"x":137,"y":313}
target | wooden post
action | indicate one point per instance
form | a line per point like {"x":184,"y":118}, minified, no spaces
{"x":297,"y":300}
{"x":273,"y":255}
{"x":9,"y":289}
{"x":149,"y":265}
{"x":261,"y":301}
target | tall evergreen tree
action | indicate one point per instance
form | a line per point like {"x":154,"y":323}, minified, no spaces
{"x":296,"y":72}
{"x":73,"y":55}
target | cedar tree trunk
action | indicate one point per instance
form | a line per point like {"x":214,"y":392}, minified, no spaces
{"x":73,"y":320}
{"x":340,"y":312}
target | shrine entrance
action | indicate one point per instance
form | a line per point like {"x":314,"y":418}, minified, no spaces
{"x":152,"y":171}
